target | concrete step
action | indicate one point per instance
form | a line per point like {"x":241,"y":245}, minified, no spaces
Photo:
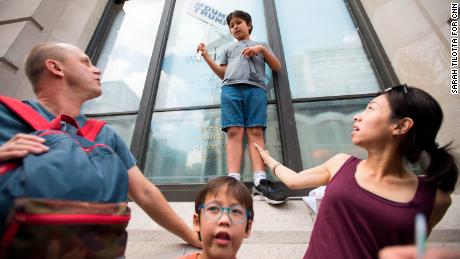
{"x":278,"y":232}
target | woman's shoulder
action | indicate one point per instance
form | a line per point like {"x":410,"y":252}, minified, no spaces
{"x":336,"y":162}
{"x":339,"y":159}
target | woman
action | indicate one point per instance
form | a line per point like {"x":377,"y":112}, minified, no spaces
{"x":372,"y":203}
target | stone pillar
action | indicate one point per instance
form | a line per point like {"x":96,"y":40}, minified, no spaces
{"x":26,"y":23}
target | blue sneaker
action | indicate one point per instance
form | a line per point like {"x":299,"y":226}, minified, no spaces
{"x":267,"y":190}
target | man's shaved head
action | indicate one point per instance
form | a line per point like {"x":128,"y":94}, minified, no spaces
{"x":35,"y":61}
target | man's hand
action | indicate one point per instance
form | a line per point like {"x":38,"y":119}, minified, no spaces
{"x":252,"y":51}
{"x":195,"y":241}
{"x":21,"y":145}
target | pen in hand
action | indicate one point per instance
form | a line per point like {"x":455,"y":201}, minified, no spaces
{"x":420,"y":234}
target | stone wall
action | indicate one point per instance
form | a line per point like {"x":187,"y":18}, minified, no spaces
{"x":26,"y":23}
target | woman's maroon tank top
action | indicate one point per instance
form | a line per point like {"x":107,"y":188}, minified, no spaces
{"x":355,"y":223}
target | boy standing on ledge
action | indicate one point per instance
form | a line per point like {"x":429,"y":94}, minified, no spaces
{"x":244,"y":100}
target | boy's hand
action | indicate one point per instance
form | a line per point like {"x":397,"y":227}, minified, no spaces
{"x":252,"y":51}
{"x":20,"y":145}
{"x":201,"y":47}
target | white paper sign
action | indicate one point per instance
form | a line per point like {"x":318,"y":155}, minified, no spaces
{"x":314,"y":198}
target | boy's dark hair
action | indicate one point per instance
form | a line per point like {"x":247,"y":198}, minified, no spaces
{"x":243,"y":15}
{"x":235,"y":189}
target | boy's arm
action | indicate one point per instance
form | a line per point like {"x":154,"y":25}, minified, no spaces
{"x":216,"y":68}
{"x":152,"y":201}
{"x":269,"y":57}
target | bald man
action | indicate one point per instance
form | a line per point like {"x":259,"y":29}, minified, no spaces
{"x":63,"y":78}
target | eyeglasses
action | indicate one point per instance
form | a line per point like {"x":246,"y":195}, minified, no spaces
{"x":213,"y":211}
{"x":402,"y":87}
{"x":404,"y":90}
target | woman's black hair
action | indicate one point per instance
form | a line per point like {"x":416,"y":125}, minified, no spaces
{"x":243,"y":15}
{"x":427,"y":115}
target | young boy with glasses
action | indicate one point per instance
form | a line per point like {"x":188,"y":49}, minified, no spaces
{"x":223,"y":218}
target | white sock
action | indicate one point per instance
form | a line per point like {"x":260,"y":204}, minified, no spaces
{"x":237,"y":176}
{"x":259,"y":175}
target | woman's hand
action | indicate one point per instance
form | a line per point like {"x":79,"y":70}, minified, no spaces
{"x":264,"y":154}
{"x":20,"y":145}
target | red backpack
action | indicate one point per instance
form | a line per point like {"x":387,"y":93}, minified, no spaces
{"x":68,"y":202}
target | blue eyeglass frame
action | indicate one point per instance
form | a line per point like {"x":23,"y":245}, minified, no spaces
{"x":223,"y":209}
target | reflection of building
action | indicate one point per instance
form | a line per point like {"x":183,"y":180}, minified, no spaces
{"x":117,"y":96}
{"x":333,"y":70}
{"x":168,"y":165}
{"x":214,"y":158}
{"x":123,"y":125}
{"x":325,"y":133}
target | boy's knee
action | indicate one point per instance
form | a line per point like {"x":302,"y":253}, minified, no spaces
{"x":256,"y":132}
{"x":235,"y":132}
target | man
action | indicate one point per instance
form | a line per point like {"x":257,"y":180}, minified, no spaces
{"x":63,"y":78}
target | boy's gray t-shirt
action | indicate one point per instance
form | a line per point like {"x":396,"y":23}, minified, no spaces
{"x":244,"y":70}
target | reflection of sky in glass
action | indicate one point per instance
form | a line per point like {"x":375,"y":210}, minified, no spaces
{"x":185,"y":146}
{"x":126,"y":55}
{"x":323,"y":51}
{"x":185,"y":81}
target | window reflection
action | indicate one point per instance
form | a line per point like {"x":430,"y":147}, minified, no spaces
{"x":123,"y":125}
{"x":186,"y":81}
{"x":324,"y":129}
{"x":189,"y":146}
{"x":323,"y":51}
{"x":125,"y":57}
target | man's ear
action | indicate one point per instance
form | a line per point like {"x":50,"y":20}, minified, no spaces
{"x":196,"y":224}
{"x":54,"y":67}
{"x":403,"y":126}
{"x":249,"y":228}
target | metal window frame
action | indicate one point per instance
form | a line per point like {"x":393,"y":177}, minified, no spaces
{"x":142,"y":129}
{"x":288,"y":133}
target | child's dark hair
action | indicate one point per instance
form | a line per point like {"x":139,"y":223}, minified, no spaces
{"x":427,"y":115}
{"x":243,"y":15}
{"x":235,"y":189}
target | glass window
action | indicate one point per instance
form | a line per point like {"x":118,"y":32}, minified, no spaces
{"x":123,"y":125}
{"x":125,"y":57}
{"x":324,"y":129}
{"x":186,"y":81}
{"x":323,"y":51}
{"x":189,"y":146}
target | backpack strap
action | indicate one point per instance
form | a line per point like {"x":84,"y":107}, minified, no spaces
{"x":91,"y":129}
{"x":27,"y":113}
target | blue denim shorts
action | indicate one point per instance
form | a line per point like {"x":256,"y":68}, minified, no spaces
{"x":243,"y":106}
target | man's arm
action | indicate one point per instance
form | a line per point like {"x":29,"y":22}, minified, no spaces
{"x":152,"y":201}
{"x":216,"y":68}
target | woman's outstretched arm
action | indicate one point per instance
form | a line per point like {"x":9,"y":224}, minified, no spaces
{"x":312,"y":177}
